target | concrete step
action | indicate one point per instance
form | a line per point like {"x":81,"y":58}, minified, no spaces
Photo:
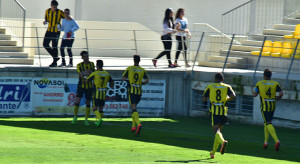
{"x":10,"y":49}
{"x":291,"y":21}
{"x":284,"y":27}
{"x":260,"y":37}
{"x":2,"y":30}
{"x":8,"y":43}
{"x":13,"y":55}
{"x":297,"y":16}
{"x":252,"y":43}
{"x":277,"y":32}
{"x":26,"y":61}
{"x":5,"y":37}
{"x":236,"y":53}
{"x":236,"y":60}
{"x":244,"y":48}
{"x":220,"y":64}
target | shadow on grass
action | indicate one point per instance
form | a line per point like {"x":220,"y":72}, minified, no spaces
{"x":182,"y":132}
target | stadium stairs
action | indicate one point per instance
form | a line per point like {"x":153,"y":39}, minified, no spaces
{"x":10,"y":52}
{"x":240,"y":54}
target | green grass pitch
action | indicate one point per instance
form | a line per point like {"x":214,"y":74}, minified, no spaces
{"x":163,"y":140}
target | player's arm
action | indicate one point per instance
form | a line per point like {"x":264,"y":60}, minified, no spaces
{"x":256,"y":91}
{"x":111,"y":82}
{"x":231,"y":94}
{"x":89,"y":78}
{"x":278,"y":89}
{"x":79,"y":71}
{"x":46,"y":14}
{"x":146,"y":79}
{"x":206,"y":94}
{"x":125,"y":75}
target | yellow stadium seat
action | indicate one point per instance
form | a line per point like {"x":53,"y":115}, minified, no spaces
{"x":277,"y":48}
{"x":295,"y":34}
{"x":297,"y":55}
{"x":267,"y":49}
{"x":287,"y":50}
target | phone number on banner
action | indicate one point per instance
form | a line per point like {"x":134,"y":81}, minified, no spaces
{"x":116,"y":106}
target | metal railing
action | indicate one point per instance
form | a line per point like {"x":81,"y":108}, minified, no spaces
{"x":120,"y":45}
{"x":253,"y":16}
{"x":13,"y":17}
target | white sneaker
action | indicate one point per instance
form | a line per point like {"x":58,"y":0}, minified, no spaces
{"x":62,"y":65}
{"x":70,"y":65}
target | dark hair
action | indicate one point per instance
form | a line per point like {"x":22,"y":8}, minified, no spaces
{"x":267,"y":73}
{"x":219,"y":76}
{"x":99,"y":63}
{"x":67,"y":9}
{"x":136,"y":58}
{"x":167,"y":18}
{"x":178,"y":12}
{"x":54,"y":3}
{"x":84,"y":53}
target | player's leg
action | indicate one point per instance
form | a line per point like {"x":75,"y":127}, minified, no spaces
{"x":69,"y":49}
{"x":136,"y":100}
{"x":269,"y":117}
{"x":267,"y":134}
{"x":99,"y":122}
{"x":88,"y":96}
{"x":79,"y":95}
{"x":133,"y":128}
{"x":62,"y":52}
{"x":46,"y":42}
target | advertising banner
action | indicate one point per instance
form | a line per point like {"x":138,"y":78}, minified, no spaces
{"x":15,"y":96}
{"x":57,"y":96}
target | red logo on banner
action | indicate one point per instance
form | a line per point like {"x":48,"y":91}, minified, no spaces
{"x":71,"y":99}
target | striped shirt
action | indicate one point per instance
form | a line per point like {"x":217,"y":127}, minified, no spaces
{"x":53,"y":19}
{"x":85,"y":69}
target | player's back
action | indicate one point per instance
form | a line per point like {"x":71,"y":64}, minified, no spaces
{"x":218,"y":92}
{"x":267,"y":89}
{"x":136,"y":75}
{"x":101,"y":78}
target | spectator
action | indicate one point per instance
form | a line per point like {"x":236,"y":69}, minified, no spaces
{"x":181,"y":25}
{"x":53,"y":17}
{"x":69,"y":26}
{"x":168,"y":30}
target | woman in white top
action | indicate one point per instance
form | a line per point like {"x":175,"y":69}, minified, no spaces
{"x":181,"y":25}
{"x":168,"y":30}
{"x":69,"y":26}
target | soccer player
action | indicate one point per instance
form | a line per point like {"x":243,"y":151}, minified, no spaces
{"x":53,"y":17}
{"x":84,"y":69}
{"x":135,"y":75}
{"x":267,"y":89}
{"x":101,"y":78}
{"x":219,"y":94}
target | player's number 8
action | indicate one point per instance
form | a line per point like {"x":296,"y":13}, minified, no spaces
{"x":218,"y":97}
{"x":136,"y":77}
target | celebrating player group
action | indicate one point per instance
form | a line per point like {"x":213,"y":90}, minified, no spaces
{"x":93,"y":85}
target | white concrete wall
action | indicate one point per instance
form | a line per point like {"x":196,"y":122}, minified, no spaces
{"x":120,"y":33}
{"x":147,"y":12}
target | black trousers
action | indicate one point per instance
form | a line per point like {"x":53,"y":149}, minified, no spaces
{"x":66,"y":43}
{"x":52,"y":37}
{"x":167,"y":41}
{"x":179,"y":48}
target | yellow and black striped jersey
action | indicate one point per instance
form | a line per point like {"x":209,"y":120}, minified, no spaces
{"x":53,"y":19}
{"x":101,"y":78}
{"x":267,"y":91}
{"x":135,"y":75}
{"x":218,"y":94}
{"x":86,"y":70}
